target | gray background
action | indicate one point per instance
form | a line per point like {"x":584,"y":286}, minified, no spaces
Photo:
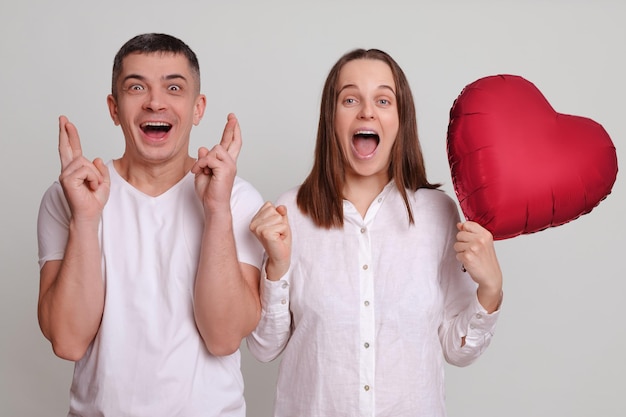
{"x":559,"y":348}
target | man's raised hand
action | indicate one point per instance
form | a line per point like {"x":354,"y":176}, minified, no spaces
{"x":86,"y":184}
{"x":215,"y":169}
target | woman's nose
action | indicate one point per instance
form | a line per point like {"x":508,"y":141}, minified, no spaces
{"x":367,"y":111}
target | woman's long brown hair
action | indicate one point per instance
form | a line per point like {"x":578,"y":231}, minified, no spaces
{"x":320,"y":196}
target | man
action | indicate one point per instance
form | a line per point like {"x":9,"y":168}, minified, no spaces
{"x":149,"y":273}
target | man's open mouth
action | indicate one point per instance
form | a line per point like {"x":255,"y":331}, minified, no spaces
{"x":155,"y":130}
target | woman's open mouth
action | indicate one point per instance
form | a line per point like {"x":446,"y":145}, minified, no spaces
{"x":364,"y":143}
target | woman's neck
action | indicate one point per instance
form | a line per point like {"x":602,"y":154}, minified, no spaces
{"x":361,"y":191}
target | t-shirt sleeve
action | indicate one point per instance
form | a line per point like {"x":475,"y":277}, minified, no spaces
{"x":245,"y":202}
{"x":52,"y":225}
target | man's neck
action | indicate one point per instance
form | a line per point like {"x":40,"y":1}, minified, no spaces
{"x":153,"y":179}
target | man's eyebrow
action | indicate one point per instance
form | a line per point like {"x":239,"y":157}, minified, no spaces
{"x":175,"y":77}
{"x":133,"y":77}
{"x":166,"y":77}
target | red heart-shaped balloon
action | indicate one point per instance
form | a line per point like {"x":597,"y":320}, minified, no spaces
{"x":517,"y":165}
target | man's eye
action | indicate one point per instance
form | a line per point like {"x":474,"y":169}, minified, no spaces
{"x":174,"y":88}
{"x":136,"y":87}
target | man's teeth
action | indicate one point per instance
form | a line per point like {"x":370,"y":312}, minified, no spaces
{"x":156,"y":127}
{"x":156,"y":124}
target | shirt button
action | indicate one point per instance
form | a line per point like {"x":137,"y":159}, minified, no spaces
{"x":380,"y":199}
{"x":366,"y":303}
{"x":283,"y":301}
{"x":366,"y":388}
{"x":367,"y":345}
{"x":479,"y":316}
{"x":365,"y":267}
{"x":472,"y":326}
{"x":362,"y":229}
{"x":285,"y":285}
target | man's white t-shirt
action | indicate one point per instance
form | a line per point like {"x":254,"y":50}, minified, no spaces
{"x":148,"y":358}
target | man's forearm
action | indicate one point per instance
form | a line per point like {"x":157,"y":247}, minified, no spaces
{"x":226,"y":301}
{"x":72,"y":295}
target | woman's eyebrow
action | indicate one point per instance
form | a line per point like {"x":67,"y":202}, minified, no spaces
{"x":382,"y":86}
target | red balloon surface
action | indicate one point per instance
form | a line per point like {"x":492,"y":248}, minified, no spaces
{"x":517,"y":165}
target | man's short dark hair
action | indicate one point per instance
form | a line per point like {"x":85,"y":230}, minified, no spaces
{"x":149,"y":43}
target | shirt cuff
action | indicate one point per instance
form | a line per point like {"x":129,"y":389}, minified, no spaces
{"x":479,"y":324}
{"x":275,"y":294}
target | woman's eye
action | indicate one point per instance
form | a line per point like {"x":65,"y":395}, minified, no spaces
{"x":349,"y":101}
{"x":384,"y":101}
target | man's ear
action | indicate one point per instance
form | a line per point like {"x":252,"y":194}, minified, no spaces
{"x":198,"y":110}
{"x":112,"y":104}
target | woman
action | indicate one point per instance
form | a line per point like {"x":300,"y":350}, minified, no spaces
{"x":371,"y":281}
